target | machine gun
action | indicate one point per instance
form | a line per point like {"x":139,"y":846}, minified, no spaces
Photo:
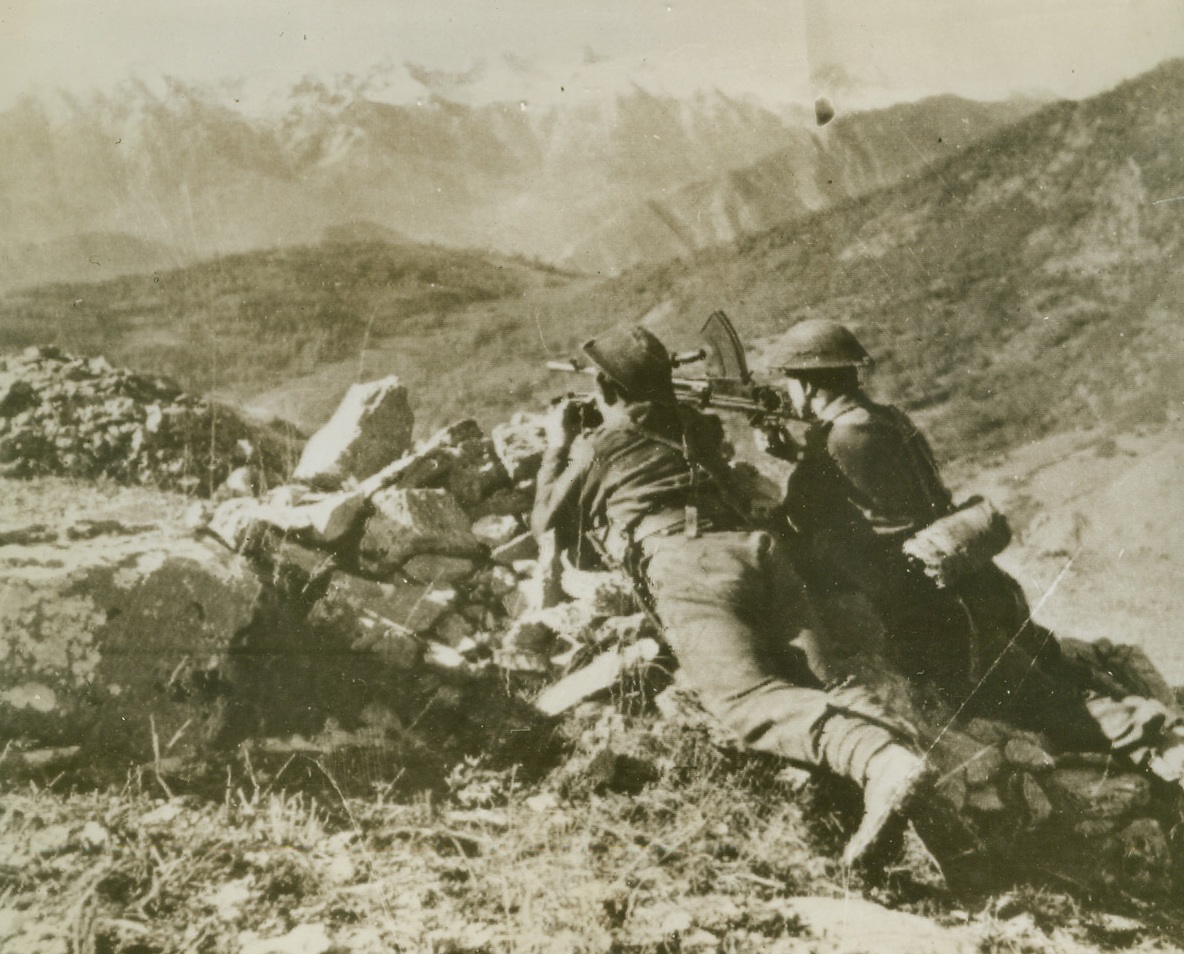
{"x":728,"y":384}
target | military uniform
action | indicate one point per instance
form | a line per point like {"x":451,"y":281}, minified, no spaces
{"x":733,"y":609}
{"x":866,"y":484}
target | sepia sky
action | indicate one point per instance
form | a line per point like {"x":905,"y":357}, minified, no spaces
{"x":864,"y":51}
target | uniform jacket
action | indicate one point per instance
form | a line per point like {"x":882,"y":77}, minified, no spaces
{"x":866,"y":466}
{"x":635,"y":466}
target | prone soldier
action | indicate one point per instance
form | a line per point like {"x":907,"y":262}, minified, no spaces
{"x":652,"y":482}
{"x":871,"y":512}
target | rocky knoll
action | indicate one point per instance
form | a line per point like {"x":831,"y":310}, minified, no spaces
{"x":61,"y":414}
{"x":379,"y":622}
{"x":138,"y":628}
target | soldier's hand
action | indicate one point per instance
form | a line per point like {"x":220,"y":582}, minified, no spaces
{"x":774,"y":440}
{"x":563,"y":422}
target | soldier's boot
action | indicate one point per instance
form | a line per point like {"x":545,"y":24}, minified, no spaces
{"x":890,"y":774}
{"x":894,"y":778}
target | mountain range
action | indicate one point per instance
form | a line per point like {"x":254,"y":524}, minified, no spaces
{"x":186,"y":172}
{"x":1028,"y":283}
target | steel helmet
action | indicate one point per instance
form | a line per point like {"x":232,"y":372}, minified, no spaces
{"x":634,"y":359}
{"x":819,"y":344}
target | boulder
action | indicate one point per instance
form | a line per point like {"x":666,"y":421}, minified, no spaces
{"x":522,"y":547}
{"x":436,"y":568}
{"x":370,"y":428}
{"x":120,"y":643}
{"x":520,"y":445}
{"x":458,"y":458}
{"x":320,"y":519}
{"x":497,"y":530}
{"x":409,"y":523}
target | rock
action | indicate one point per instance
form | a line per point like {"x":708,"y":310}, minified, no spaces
{"x":128,"y":637}
{"x":320,"y":519}
{"x":500,"y":581}
{"x":1096,"y":793}
{"x":1029,"y":756}
{"x":395,"y":646}
{"x":522,"y":547}
{"x":985,"y":800}
{"x":407,"y":523}
{"x":433,"y":568}
{"x":953,"y":790}
{"x":520,"y":445}
{"x":598,"y":676}
{"x":496,"y":531}
{"x":370,"y":428}
{"x":979,"y":763}
{"x":508,"y":501}
{"x":1039,"y":807}
{"x":455,"y":631}
{"x":526,"y":637}
{"x":457,"y":458}
{"x":409,"y":605}
{"x":240,"y":482}
{"x":233,"y":522}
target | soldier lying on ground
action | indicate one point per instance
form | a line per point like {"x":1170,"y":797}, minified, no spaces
{"x":868,"y":505}
{"x":653,"y":484}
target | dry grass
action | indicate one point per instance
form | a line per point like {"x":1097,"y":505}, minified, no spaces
{"x":706,"y":857}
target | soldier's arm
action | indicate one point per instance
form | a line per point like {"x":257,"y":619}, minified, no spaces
{"x":876,"y":465}
{"x":560,"y":481}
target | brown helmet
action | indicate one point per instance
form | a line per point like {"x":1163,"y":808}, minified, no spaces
{"x":633,"y":359}
{"x":819,"y":344}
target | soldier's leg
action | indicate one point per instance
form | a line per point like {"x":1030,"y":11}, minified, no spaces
{"x":714,"y":600}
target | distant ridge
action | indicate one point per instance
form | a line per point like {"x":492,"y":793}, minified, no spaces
{"x":185,"y":167}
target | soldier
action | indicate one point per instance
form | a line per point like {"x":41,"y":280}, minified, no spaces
{"x":863,"y":494}
{"x":653,"y":484}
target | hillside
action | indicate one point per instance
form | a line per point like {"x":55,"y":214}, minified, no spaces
{"x":1030,"y":284}
{"x":853,"y":155}
{"x":189,"y":167}
{"x":243,"y":324}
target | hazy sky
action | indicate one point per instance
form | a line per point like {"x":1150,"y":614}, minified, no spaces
{"x":545,"y":49}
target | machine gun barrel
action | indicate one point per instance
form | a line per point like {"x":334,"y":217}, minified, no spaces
{"x":724,"y":394}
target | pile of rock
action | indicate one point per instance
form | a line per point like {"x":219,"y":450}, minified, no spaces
{"x":61,"y":414}
{"x":375,"y":604}
{"x":428,"y":544}
{"x":1028,"y":809}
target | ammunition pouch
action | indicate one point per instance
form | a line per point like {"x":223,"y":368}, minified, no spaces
{"x":959,"y":544}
